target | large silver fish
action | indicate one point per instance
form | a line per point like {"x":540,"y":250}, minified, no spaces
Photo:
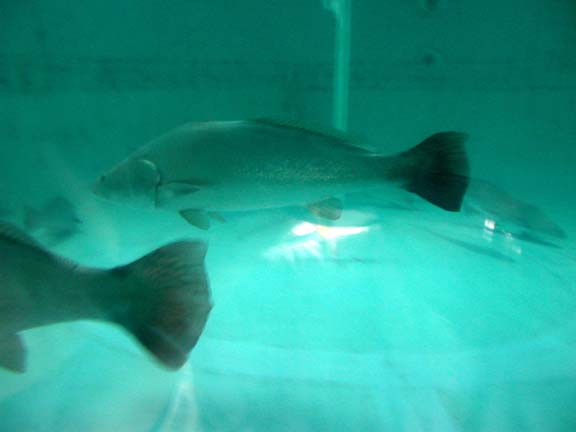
{"x":162,"y":299}
{"x":200,"y":169}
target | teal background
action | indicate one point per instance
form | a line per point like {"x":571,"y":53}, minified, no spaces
{"x":400,"y":329}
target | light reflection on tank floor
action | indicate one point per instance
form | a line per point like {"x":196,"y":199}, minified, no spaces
{"x":392,"y":319}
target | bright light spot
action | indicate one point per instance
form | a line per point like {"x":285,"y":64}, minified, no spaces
{"x":330,"y":233}
{"x":490,"y":224}
{"x":314,"y":245}
{"x":306,"y":228}
{"x":303,"y":229}
{"x":310,"y":246}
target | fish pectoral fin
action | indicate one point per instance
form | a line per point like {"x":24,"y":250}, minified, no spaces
{"x":172,"y":190}
{"x":198,"y":218}
{"x":12,"y":353}
{"x":330,"y":208}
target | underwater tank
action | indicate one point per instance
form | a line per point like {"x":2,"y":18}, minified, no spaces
{"x":368,"y":309}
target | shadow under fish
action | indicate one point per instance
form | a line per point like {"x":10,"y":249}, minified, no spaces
{"x":525,"y":236}
{"x":471,"y":247}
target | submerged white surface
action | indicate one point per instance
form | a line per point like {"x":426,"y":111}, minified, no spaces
{"x":392,"y":320}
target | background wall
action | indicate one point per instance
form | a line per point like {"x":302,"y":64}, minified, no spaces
{"x":82,"y":84}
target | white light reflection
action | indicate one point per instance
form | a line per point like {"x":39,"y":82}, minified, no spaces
{"x":306,"y":228}
{"x":489,"y":227}
{"x":489,"y":224}
{"x":331,"y":233}
{"x":303,"y":229}
{"x":182,"y":407}
{"x":317,"y":237}
{"x":510,"y":242}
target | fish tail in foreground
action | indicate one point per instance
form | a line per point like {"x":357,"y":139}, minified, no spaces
{"x":163,"y":298}
{"x":173,"y":301}
{"x":437,"y":169}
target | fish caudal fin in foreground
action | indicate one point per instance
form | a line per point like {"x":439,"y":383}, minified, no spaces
{"x":171,"y":301}
{"x":437,"y":169}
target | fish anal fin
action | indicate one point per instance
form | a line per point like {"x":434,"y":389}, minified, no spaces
{"x":12,"y":353}
{"x":330,"y":208}
{"x":198,"y":218}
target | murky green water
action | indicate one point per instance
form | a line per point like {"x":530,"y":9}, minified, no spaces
{"x":397,"y":317}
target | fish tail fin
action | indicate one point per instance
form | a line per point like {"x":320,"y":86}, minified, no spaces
{"x":171,"y":300}
{"x":437,"y":170}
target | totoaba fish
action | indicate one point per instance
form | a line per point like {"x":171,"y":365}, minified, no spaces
{"x":201,"y":169}
{"x":162,"y":299}
{"x":488,"y":199}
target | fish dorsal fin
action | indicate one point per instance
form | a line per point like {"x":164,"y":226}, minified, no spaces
{"x":17,"y":235}
{"x":290,"y":124}
{"x":344,"y":139}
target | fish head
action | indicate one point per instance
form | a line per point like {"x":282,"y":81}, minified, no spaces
{"x":133,"y":183}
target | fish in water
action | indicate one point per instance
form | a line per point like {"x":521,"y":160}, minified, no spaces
{"x":201,"y":169}
{"x":490,"y":200}
{"x":55,"y":221}
{"x":162,"y":299}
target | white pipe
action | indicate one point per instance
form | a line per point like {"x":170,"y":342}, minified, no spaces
{"x":341,"y":10}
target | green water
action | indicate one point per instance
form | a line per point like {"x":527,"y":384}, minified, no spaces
{"x":409,"y":319}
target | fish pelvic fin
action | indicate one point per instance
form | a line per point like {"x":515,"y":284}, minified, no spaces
{"x":198,"y":218}
{"x":330,"y":208}
{"x":437,"y":169}
{"x":170,"y":301}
